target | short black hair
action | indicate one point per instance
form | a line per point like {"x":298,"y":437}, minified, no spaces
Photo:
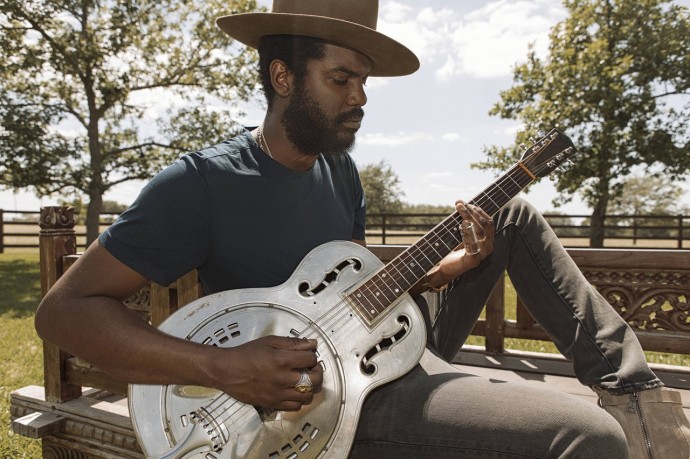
{"x":295,"y":50}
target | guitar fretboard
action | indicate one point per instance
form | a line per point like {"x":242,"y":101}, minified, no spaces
{"x":375,"y":295}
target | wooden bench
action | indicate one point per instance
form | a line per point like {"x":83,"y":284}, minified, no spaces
{"x":82,"y":413}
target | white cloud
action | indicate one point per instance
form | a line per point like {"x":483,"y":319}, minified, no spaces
{"x":393,"y":140}
{"x":483,"y":43}
{"x":451,"y":137}
{"x":437,"y":175}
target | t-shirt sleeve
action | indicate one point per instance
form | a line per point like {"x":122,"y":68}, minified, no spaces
{"x":164,"y":234}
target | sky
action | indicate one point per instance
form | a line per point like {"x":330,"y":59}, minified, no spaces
{"x":430,"y":126}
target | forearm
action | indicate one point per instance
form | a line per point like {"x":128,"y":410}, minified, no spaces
{"x":105,"y":333}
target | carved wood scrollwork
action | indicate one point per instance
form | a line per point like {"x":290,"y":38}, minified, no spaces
{"x":140,"y":303}
{"x":55,"y":451}
{"x":56,"y":218}
{"x":647,"y":300}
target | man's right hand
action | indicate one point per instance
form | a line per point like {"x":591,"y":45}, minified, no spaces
{"x":84,"y":315}
{"x":264,"y":372}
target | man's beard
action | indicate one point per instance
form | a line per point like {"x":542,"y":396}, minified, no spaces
{"x":309,"y":129}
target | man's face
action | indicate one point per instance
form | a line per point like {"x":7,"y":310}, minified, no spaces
{"x":325,"y":108}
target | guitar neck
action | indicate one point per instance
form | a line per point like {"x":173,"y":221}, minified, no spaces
{"x":375,"y":295}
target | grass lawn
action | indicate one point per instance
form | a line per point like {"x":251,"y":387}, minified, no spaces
{"x":22,"y":358}
{"x":21,"y":351}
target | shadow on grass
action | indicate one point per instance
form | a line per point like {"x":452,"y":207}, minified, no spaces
{"x":20,"y":284}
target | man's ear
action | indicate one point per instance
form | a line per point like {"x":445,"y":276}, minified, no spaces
{"x":281,"y":78}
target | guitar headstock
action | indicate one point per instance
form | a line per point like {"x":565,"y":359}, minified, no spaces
{"x":548,"y":153}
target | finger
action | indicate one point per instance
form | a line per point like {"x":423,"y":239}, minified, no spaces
{"x":315,"y":375}
{"x":484,"y":228}
{"x":292,"y":343}
{"x":288,"y":405}
{"x":470,"y":213}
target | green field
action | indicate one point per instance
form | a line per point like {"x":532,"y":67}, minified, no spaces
{"x":20,"y":348}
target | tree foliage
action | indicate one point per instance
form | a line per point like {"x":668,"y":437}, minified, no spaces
{"x":381,"y":188}
{"x":79,"y":80}
{"x":617,"y":80}
{"x":648,"y":195}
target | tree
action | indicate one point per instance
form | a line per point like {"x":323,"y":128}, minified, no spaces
{"x":648,"y":195}
{"x":615,"y":79}
{"x":74,"y":80}
{"x":381,"y":188}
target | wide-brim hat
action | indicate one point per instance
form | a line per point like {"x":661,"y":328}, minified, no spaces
{"x":349,"y":23}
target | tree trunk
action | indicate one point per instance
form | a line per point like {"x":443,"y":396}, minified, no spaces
{"x":597,"y":231}
{"x":93,"y":216}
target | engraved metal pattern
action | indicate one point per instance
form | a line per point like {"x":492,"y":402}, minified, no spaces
{"x":165,"y":418}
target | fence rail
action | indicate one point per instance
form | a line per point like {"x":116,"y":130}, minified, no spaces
{"x":19,"y":229}
{"x":620,"y":231}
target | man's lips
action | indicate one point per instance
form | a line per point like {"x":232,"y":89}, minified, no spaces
{"x":353,"y":123}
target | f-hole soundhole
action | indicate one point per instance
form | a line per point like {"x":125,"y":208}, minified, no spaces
{"x":366,"y":365}
{"x":306,"y":290}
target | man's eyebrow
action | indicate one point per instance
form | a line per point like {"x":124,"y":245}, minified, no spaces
{"x":349,"y":71}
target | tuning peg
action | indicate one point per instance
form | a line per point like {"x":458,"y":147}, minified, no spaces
{"x":541,"y":133}
{"x":523,"y":146}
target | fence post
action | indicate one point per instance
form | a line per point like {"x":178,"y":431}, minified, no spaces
{"x":680,"y":231}
{"x":56,"y":239}
{"x":2,"y":231}
{"x":383,"y":229}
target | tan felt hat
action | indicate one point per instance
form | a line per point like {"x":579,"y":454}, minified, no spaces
{"x":350,"y":23}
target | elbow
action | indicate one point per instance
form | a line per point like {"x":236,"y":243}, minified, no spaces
{"x":41,"y":320}
{"x":45,"y":320}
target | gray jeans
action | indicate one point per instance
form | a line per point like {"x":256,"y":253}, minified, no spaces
{"x":436,"y":411}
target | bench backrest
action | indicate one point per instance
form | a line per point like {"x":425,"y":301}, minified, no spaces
{"x":649,"y":288}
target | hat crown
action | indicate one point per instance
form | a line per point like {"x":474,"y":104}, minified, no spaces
{"x":362,"y":12}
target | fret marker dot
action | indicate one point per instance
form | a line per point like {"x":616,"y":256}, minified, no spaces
{"x":378,"y":293}
{"x":397,"y":290}
{"x":372,"y":311}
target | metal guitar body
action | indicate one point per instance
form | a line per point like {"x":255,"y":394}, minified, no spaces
{"x":369,"y":332}
{"x":193,"y":422}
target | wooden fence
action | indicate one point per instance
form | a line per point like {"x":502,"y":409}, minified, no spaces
{"x":621,"y":231}
{"x":19,"y":229}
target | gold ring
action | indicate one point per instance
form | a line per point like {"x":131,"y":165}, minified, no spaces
{"x":304,"y":384}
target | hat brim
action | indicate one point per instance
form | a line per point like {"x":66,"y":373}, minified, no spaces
{"x":389,"y":57}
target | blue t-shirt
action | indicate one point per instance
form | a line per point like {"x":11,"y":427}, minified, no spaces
{"x":239,"y":217}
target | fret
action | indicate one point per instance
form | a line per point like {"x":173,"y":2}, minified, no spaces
{"x":355,"y":300}
{"x":374,"y":296}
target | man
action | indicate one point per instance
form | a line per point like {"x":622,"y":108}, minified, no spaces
{"x":261,"y":201}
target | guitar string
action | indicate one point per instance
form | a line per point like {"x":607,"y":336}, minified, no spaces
{"x":337,"y":309}
{"x":336,"y":312}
